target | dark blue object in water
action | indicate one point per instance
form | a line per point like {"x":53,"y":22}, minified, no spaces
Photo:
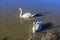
{"x":38,"y":26}
{"x":37,"y":15}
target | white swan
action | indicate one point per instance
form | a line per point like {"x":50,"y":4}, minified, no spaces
{"x":26,"y":15}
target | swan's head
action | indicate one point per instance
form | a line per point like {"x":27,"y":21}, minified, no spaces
{"x":20,"y":9}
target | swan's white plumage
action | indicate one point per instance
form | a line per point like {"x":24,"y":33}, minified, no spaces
{"x":27,"y":15}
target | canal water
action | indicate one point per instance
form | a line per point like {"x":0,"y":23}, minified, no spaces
{"x":11,"y":26}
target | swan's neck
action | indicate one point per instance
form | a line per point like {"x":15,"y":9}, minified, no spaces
{"x":20,"y":12}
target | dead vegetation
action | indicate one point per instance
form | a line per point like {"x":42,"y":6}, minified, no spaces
{"x":51,"y":35}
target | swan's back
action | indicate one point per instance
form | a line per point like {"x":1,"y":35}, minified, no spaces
{"x":27,"y":14}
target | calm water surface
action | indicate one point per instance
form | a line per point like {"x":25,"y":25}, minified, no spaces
{"x":10,"y":25}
